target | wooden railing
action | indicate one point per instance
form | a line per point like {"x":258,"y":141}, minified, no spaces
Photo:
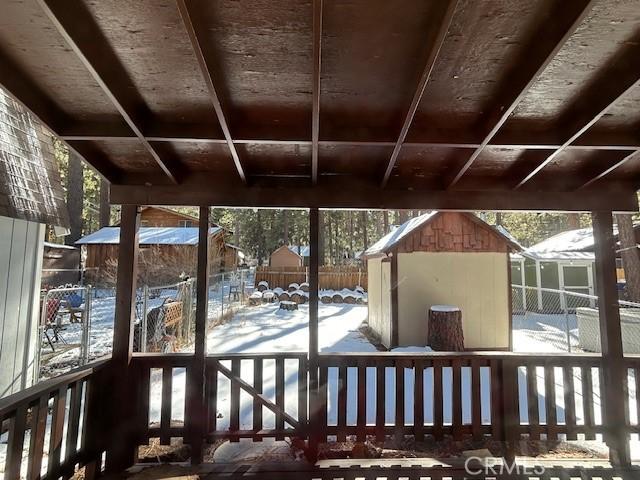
{"x":67,"y":422}
{"x":271,"y":376}
{"x":633,"y":367}
{"x":62,"y":419}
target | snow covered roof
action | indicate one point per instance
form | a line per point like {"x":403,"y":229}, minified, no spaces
{"x":302,"y":250}
{"x":58,"y":245}
{"x":570,"y":241}
{"x":148,"y":236}
{"x":392,"y":238}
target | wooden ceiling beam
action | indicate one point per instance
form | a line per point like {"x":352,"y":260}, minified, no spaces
{"x":80,"y":31}
{"x":621,"y":77}
{"x":317,"y":69}
{"x":206,"y":69}
{"x":356,"y":193}
{"x":558,"y":27}
{"x":607,"y":171}
{"x":435,"y":41}
{"x":533,"y":144}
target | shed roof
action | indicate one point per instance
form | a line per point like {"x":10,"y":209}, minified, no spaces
{"x":288,"y":249}
{"x":393,"y":238}
{"x":438,"y":104}
{"x":148,"y":236}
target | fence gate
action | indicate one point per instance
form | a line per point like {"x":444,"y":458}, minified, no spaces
{"x":274,"y":400}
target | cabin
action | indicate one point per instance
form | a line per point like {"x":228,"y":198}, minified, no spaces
{"x":165,"y":217}
{"x":441,"y":258}
{"x":166,"y":254}
{"x":363,"y":104}
{"x":285,"y":256}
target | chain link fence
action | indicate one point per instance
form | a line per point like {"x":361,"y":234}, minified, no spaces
{"x":64,"y":328}
{"x":228,"y":292}
{"x":165,"y":317}
{"x":547,"y":320}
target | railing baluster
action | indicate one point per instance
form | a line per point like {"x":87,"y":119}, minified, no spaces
{"x":380,"y":400}
{"x":497,"y":410}
{"x":257,"y":406}
{"x":362,"y":401}
{"x":476,"y":401}
{"x":234,"y":407}
{"x":569,"y":402}
{"x":418,"y":401}
{"x":280,"y":395}
{"x":165,"y":408}
{"x":143,"y":407}
{"x":322,"y":402}
{"x":399,"y":423}
{"x":15,"y":443}
{"x":39,"y":415}
{"x":342,"y":404}
{"x":73,"y":425}
{"x":587,"y":403}
{"x":550,"y":401}
{"x":532,"y":402}
{"x":57,"y":427}
{"x":456,"y":400}
{"x":437,"y":400}
{"x":303,"y":395}
{"x":212,"y":397}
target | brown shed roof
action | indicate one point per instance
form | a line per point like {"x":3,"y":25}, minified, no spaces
{"x":355,"y":103}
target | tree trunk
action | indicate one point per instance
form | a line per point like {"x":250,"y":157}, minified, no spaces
{"x":385,"y":221}
{"x":498,"y":218}
{"x":285,"y":227}
{"x":105,"y":206}
{"x":363,"y":225}
{"x":445,"y":329}
{"x":75,"y":194}
{"x":351,"y":234}
{"x":403,"y":217}
{"x":330,"y":239}
{"x":321,"y":236}
{"x":630,"y":256}
{"x":573,"y":221}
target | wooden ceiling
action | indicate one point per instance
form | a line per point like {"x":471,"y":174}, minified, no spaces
{"x":388,"y":103}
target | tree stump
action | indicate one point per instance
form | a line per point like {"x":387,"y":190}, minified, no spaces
{"x":445,"y":328}
{"x":286,"y":305}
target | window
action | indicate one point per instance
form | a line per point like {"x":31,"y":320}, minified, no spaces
{"x":186,"y":223}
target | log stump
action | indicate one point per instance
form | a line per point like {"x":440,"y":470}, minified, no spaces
{"x":445,"y":328}
{"x":326,"y":298}
{"x":286,"y":305}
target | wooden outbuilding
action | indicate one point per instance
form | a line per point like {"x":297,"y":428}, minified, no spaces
{"x":451,"y":258}
{"x":60,"y":265}
{"x":284,"y":256}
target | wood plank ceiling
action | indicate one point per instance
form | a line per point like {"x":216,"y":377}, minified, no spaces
{"x":512,"y":97}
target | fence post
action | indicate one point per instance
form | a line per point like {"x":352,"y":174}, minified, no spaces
{"x":143,"y":320}
{"x":565,"y":307}
{"x":84,"y":350}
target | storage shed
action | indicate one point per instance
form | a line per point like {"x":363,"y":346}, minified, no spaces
{"x":284,"y":256}
{"x":441,"y":258}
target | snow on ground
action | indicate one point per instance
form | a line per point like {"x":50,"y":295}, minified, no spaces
{"x":539,"y":333}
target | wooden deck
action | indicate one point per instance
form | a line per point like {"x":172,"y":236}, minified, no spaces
{"x":410,"y":469}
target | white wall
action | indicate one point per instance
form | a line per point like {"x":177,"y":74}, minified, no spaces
{"x":379,"y":298}
{"x":21,"y":250}
{"x":476,"y":282}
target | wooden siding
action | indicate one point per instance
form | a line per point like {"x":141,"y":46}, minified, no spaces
{"x":60,"y":266}
{"x":162,"y":217}
{"x":20,"y":262}
{"x":454,"y":232}
{"x":283,"y":257}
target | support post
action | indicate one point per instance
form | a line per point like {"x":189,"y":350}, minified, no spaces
{"x":123,"y":441}
{"x":614,"y":374}
{"x":314,"y":403}
{"x":395,"y":324}
{"x":197,"y":408}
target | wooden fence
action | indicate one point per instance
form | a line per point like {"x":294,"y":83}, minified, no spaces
{"x":330,"y":277}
